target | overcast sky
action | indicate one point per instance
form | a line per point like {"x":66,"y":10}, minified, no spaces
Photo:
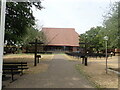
{"x":78,"y":14}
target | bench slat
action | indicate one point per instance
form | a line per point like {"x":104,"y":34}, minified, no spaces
{"x":14,"y":62}
{"x":14,"y":68}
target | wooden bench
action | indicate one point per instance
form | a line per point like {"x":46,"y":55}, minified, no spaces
{"x":13,"y":68}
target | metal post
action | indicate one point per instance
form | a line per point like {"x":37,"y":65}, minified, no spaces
{"x":85,"y":58}
{"x":106,"y":56}
{"x":2,"y":29}
{"x":35,"y":62}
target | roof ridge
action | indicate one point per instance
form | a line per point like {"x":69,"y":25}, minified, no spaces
{"x":57,"y":28}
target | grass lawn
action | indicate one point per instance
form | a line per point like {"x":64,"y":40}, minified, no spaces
{"x":29,"y":58}
{"x":95,"y":71}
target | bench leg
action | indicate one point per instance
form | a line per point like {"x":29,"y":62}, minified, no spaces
{"x":12,"y":78}
{"x":21,"y":69}
{"x":21,"y":72}
{"x":12,"y":75}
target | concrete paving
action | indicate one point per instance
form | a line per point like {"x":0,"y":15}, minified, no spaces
{"x":61,"y":73}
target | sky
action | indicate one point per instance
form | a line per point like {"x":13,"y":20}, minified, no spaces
{"x":78,"y":14}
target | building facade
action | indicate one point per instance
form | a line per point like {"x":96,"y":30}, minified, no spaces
{"x":61,"y":39}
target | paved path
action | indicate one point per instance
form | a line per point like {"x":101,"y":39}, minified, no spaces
{"x":60,"y":74}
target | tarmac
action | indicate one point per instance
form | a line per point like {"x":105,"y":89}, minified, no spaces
{"x":61,"y":73}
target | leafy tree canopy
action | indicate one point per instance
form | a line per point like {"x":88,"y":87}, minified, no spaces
{"x":31,"y":35}
{"x":110,"y":28}
{"x":19,"y":17}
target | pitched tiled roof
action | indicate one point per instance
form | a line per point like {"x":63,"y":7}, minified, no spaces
{"x":61,"y":36}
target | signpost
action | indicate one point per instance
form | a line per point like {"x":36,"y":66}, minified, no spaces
{"x":35,"y":56}
{"x":84,"y":60}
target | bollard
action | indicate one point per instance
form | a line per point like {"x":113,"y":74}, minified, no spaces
{"x":85,"y":61}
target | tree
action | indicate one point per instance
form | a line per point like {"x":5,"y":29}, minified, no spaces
{"x":93,"y":38}
{"x":19,"y":17}
{"x":31,"y":35}
{"x":110,"y":28}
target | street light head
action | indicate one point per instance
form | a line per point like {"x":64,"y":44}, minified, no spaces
{"x":106,"y":38}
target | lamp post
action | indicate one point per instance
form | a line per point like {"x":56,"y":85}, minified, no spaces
{"x":106,"y":39}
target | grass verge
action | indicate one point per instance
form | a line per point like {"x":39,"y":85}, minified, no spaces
{"x":71,"y":58}
{"x":80,"y":68}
